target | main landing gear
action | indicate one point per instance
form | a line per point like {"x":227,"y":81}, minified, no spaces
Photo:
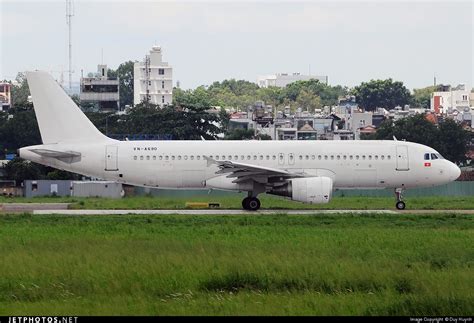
{"x":251,"y":203}
{"x":400,"y":205}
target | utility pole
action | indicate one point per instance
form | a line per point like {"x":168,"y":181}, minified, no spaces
{"x":69,"y":15}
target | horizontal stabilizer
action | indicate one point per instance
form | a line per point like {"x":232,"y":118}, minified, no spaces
{"x":56,"y":154}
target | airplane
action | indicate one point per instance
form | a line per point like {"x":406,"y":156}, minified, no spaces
{"x":304,"y":171}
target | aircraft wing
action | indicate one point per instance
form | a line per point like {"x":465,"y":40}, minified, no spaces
{"x":243,"y":172}
{"x":56,"y":154}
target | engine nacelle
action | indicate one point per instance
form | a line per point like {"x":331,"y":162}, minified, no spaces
{"x":308,"y":190}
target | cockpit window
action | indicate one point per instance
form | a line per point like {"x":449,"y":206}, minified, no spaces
{"x":433,"y":156}
{"x":427,"y":156}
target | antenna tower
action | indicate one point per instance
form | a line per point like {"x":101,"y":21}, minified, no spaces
{"x":69,"y":15}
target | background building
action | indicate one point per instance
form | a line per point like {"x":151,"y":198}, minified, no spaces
{"x":453,"y":98}
{"x":153,"y":79}
{"x":283,"y":79}
{"x":5,"y":96}
{"x":101,"y":90}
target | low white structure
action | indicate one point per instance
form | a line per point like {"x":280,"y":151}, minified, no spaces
{"x":153,"y":79}
{"x":283,"y":79}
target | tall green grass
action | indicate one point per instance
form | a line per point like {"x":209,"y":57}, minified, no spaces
{"x":268,"y":202}
{"x":239,"y":265}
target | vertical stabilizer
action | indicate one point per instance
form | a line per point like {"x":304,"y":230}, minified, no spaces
{"x":59,"y":118}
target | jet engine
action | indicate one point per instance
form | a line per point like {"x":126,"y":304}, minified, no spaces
{"x":308,"y":190}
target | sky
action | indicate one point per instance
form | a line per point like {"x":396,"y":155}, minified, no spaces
{"x":349,"y":41}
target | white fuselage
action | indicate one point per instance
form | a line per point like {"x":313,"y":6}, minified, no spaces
{"x":181,"y":164}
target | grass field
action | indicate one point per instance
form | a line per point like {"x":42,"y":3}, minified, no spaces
{"x":268,"y":202}
{"x":207,"y":265}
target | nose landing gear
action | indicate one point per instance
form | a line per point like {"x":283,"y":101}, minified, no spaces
{"x":400,"y":205}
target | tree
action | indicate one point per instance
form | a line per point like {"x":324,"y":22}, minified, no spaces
{"x":329,"y":94}
{"x":453,"y":141}
{"x":125,"y":75}
{"x":381,"y":94}
{"x":422,"y":97}
{"x":308,"y":101}
{"x":20,"y":92}
{"x":20,"y":170}
{"x":20,"y":130}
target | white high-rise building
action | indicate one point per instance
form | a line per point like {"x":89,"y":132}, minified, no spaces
{"x":153,"y":78}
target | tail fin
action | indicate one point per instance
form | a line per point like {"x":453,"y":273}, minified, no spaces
{"x":59,"y":118}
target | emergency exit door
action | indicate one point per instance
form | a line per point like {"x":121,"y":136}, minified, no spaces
{"x":111,"y":158}
{"x":402,"y":158}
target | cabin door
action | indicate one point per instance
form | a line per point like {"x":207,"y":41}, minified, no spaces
{"x":111,"y":158}
{"x":402,"y":158}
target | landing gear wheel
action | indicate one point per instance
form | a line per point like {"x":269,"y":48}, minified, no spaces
{"x":253,"y":204}
{"x":400,"y":205}
{"x":245,"y":203}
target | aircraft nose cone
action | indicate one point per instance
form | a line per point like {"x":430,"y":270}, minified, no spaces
{"x":455,"y":171}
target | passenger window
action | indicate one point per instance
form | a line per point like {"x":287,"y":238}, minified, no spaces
{"x":307,"y":157}
{"x":338,"y":157}
{"x":223,"y":157}
{"x":370,"y":157}
{"x":268,"y":157}
{"x":242,"y":157}
{"x":300,"y":157}
{"x":198,"y":157}
{"x":172,"y":157}
{"x":363,"y":156}
{"x":319,"y":156}
{"x":376,"y":157}
{"x":141,"y":157}
{"x":236,"y":157}
{"x":382,"y":157}
{"x":248,"y":157}
{"x":254,"y":157}
{"x":332,"y":157}
{"x":217,"y":157}
{"x":357,"y":156}
{"x":388,"y":157}
{"x":161,"y":157}
{"x":167,"y":157}
{"x":154,"y":157}
{"x":350,"y":157}
{"x":185,"y":157}
{"x":179,"y":157}
{"x":274,"y":157}
{"x":229,"y":157}
{"x":313,"y":157}
{"x":261,"y":157}
{"x":147,"y":157}
{"x":344,"y":157}
{"x":192,"y":157}
{"x":326,"y":157}
{"x":135,"y":157}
